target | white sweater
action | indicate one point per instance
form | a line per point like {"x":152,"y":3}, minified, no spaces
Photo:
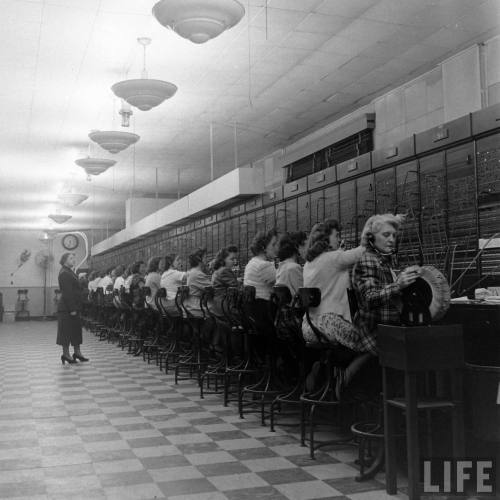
{"x":261,"y":274}
{"x":329,"y":273}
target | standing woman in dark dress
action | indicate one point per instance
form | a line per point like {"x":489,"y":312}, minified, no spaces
{"x":69,"y":327}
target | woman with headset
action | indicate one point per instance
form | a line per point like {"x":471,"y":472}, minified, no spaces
{"x":375,"y":283}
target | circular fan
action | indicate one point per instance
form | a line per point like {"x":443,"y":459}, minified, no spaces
{"x":43,"y":258}
{"x":430,"y":290}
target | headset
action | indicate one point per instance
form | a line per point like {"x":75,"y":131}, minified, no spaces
{"x":371,"y":242}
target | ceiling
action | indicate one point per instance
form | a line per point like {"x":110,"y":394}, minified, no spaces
{"x":284,"y":71}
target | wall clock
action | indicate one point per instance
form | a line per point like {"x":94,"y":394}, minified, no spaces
{"x":70,"y":242}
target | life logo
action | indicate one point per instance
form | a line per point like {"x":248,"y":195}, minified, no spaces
{"x":462,"y":477}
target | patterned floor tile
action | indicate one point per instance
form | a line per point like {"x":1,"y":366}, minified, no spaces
{"x":118,"y":428}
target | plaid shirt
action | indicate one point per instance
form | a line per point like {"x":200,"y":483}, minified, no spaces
{"x":377,"y":295}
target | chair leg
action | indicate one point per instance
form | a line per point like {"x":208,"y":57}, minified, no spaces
{"x":413,"y":454}
{"x":390,"y":440}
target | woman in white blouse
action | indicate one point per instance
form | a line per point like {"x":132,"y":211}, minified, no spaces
{"x":327,"y":268}
{"x":260,"y":273}
{"x":172,"y":279}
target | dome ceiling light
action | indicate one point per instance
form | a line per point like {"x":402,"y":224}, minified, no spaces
{"x":113,"y":141}
{"x":72,"y":199}
{"x":59,"y":218}
{"x":95,"y":166}
{"x":144,"y":93}
{"x":198,"y":20}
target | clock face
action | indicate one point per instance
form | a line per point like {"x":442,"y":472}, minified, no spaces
{"x":70,"y":242}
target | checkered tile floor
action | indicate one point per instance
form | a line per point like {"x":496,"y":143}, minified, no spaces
{"x":117,"y":428}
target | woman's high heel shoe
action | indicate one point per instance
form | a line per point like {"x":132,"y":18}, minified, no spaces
{"x":79,"y":357}
{"x":65,"y":359}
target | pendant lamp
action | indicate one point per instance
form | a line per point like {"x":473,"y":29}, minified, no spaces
{"x":198,"y":20}
{"x":144,"y":93}
{"x":59,"y":218}
{"x":95,"y":166}
{"x":72,"y":199}
{"x":113,"y":141}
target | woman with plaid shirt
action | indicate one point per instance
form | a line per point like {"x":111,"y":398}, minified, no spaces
{"x":377,"y":288}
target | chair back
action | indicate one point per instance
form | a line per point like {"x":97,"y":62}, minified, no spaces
{"x":353,"y":302}
{"x":307,"y":298}
{"x":205,"y":300}
{"x":288,"y":317}
{"x":180,"y":297}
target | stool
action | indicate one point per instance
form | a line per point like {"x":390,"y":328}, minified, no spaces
{"x":419,"y":350}
{"x":288,"y":325}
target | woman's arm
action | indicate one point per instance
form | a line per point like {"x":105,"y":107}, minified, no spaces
{"x":368,"y":281}
{"x":347,"y":258}
{"x":268,"y":273}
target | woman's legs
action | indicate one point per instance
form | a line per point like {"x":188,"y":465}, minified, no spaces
{"x":65,"y":349}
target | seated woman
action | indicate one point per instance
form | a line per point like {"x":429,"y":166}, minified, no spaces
{"x":153,"y":277}
{"x":261,"y":274}
{"x":327,"y":268}
{"x":171,"y":280}
{"x":197,"y":280}
{"x":377,"y":288}
{"x":290,"y":271}
{"x":224,"y":276}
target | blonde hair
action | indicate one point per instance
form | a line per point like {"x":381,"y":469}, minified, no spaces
{"x":374,"y":224}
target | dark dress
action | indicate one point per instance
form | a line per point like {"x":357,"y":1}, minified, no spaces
{"x":69,"y":328}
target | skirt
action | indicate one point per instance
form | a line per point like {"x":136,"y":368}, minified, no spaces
{"x":339,"y":331}
{"x":69,"y":329}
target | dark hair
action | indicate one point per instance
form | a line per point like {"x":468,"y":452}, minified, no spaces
{"x":196,"y":257}
{"x":299,"y":237}
{"x":64,"y":258}
{"x":136,"y":266}
{"x":319,"y":239}
{"x":287,"y":247}
{"x":153,"y":264}
{"x":222,"y":255}
{"x":119,"y":270}
{"x":109,"y":270}
{"x":169,"y":260}
{"x":261,"y":240}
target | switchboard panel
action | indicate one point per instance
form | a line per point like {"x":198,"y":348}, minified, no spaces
{"x":443,"y":135}
{"x":303,"y":213}
{"x":408,"y":203}
{"x":270,"y":217}
{"x":331,"y":202}
{"x":486,"y":119}
{"x":433,"y":209}
{"x":394,"y":154}
{"x":365,"y":205}
{"x":385,"y":190}
{"x":317,"y":206}
{"x":347,"y":207}
{"x":291,"y":214}
{"x":462,"y":208}
{"x":488,"y":178}
{"x":354,"y":167}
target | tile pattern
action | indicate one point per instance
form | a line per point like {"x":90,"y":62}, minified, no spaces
{"x":117,"y":428}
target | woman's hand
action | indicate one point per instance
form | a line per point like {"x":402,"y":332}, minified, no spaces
{"x":73,"y":313}
{"x":408,"y":276}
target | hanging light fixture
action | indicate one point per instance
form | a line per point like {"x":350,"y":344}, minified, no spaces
{"x":72,"y":199}
{"x":59,"y":218}
{"x":95,"y":166}
{"x":113,"y":141}
{"x":144,"y":93}
{"x":198,"y":20}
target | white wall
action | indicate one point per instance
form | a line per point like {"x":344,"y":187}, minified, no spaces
{"x":452,"y":89}
{"x":138,"y":208}
{"x":30,"y":275}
